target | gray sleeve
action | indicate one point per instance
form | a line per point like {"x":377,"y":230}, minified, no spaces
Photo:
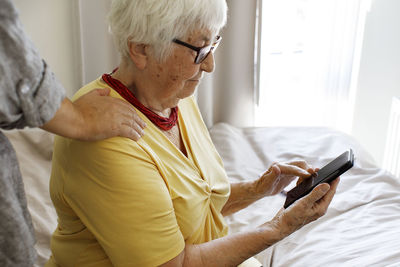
{"x":17,"y":235}
{"x":29,"y":92}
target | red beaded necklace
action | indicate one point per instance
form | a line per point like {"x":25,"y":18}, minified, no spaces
{"x":161,"y":122}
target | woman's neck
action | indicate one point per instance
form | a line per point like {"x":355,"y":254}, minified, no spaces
{"x":127,"y":74}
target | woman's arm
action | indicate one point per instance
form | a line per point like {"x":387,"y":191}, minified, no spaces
{"x":272,"y":182}
{"x":96,"y":116}
{"x":236,"y":248}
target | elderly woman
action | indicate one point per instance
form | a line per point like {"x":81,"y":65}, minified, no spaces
{"x":161,"y":201}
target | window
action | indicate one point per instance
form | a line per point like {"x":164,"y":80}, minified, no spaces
{"x":308,"y":62}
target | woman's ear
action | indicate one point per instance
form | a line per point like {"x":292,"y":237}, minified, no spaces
{"x":138,"y":54}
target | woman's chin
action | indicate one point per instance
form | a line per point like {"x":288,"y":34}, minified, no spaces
{"x":188,"y":90}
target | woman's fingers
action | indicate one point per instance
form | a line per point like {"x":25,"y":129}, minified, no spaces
{"x":326,"y":200}
{"x":306,"y":210}
{"x":279,"y":175}
{"x":320,"y":198}
{"x":317,"y":194}
{"x":292,"y":169}
{"x":305,"y":166}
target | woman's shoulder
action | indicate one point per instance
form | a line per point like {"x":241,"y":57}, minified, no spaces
{"x":96,"y":84}
{"x":109,"y":148}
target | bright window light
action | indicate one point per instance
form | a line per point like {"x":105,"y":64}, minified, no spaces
{"x":308,"y":58}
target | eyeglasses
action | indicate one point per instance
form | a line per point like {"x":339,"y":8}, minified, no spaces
{"x":202,"y":52}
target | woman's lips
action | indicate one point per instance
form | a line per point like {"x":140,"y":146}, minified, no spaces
{"x":197,"y":79}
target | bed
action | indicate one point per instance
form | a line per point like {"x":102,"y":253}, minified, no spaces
{"x":361,"y":227}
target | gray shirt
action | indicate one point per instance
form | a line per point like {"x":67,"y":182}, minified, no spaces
{"x":29,"y":96}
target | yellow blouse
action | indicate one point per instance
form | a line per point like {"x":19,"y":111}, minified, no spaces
{"x":126,"y":203}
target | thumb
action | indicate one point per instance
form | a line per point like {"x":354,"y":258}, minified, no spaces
{"x":103,"y":91}
{"x":318,"y":193}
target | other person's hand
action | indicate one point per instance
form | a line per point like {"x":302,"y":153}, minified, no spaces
{"x":280,"y":175}
{"x":105,"y":117}
{"x":96,"y":116}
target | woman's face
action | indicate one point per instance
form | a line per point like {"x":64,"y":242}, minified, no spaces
{"x":178,"y":76}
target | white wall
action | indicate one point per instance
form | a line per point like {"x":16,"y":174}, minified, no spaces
{"x":52,"y":25}
{"x":78,"y":48}
{"x":379,"y":76}
{"x":221,"y":97}
{"x":99,"y":54}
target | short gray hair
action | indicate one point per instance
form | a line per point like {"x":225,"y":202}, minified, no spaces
{"x":158,"y":22}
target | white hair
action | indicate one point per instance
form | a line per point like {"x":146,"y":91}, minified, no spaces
{"x":158,"y":22}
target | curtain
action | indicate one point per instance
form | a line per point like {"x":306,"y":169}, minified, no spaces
{"x":227,"y":95}
{"x":307,"y":62}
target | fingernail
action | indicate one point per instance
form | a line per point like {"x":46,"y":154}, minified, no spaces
{"x":325,"y":188}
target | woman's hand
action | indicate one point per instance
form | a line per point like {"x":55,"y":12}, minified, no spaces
{"x":305,"y":210}
{"x":280,"y":175}
{"x":96,"y":116}
{"x":272,"y":182}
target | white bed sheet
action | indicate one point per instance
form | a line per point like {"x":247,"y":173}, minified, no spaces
{"x":362,"y":225}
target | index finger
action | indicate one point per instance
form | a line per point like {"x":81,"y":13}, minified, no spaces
{"x":304,"y":165}
{"x":294,"y":170}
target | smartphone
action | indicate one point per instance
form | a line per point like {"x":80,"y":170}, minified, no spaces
{"x":327,"y":174}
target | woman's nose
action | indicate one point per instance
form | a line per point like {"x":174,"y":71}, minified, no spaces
{"x":208,"y":64}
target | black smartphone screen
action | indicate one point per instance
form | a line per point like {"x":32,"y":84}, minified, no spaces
{"x":327,"y":174}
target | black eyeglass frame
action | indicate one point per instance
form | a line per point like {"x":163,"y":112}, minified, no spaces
{"x":202,"y":52}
